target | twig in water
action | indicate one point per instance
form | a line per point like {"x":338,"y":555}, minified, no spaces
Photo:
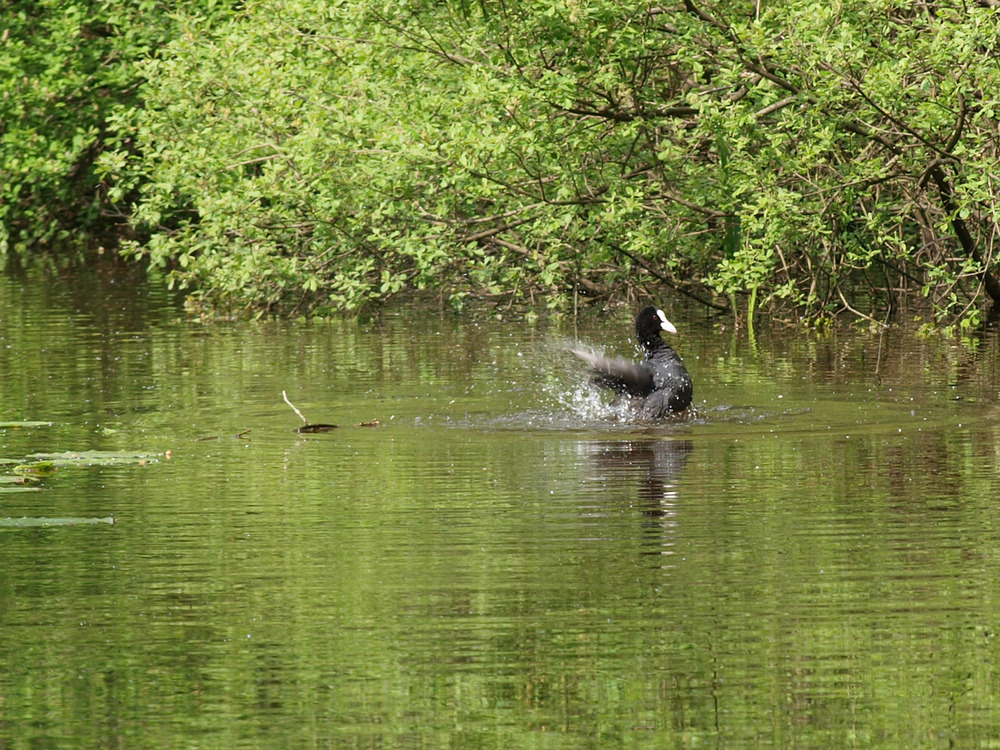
{"x":294,"y":408}
{"x":306,"y":427}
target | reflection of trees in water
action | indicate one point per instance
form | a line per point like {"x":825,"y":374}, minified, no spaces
{"x":656,"y":465}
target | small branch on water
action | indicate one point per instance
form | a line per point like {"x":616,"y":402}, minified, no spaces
{"x":306,"y":427}
{"x":294,"y":408}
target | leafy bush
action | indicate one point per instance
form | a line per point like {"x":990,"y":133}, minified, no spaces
{"x":65,"y":67}
{"x":304,"y":155}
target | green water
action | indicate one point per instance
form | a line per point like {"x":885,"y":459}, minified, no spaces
{"x":811,"y":560}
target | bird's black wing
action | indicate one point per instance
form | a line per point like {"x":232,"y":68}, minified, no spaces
{"x":620,"y":375}
{"x":671,"y":381}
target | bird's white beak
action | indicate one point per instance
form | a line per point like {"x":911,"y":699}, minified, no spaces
{"x":665,"y":324}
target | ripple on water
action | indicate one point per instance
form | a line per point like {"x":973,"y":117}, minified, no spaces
{"x":798,"y":562}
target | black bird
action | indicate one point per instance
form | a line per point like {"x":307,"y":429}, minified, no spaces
{"x":656,"y":386}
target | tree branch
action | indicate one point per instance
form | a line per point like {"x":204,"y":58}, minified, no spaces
{"x":961,"y":230}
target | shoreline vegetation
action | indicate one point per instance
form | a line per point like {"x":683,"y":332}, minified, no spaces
{"x":807,"y":159}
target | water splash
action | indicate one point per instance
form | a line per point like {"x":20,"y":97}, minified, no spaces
{"x":589,"y":405}
{"x":567,"y":400}
{"x":550,"y":389}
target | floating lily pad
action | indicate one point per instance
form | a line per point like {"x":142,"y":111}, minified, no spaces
{"x":11,"y":483}
{"x":94,"y":458}
{"x":26,"y":522}
{"x":8,"y":479}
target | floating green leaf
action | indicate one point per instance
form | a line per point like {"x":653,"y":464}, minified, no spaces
{"x":8,"y":479}
{"x":11,"y":483}
{"x":95,"y":458}
{"x":28,"y":522}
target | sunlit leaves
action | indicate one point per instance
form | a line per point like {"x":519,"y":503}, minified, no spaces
{"x":67,"y":79}
{"x":293,"y":155}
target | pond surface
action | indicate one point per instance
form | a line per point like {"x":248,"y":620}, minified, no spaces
{"x":810,"y":560}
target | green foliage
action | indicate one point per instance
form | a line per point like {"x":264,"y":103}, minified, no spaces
{"x":295,"y":155}
{"x":65,"y":67}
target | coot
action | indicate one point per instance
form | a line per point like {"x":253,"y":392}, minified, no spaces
{"x":656,"y":387}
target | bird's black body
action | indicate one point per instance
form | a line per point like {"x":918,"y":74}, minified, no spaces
{"x":657,"y":386}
